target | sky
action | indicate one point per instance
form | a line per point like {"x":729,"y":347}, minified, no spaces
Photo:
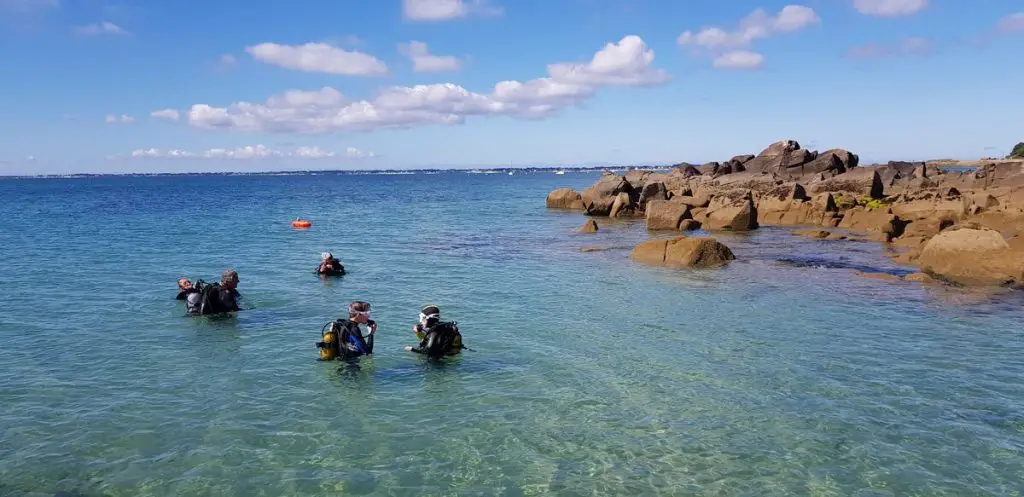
{"x":115,"y":86}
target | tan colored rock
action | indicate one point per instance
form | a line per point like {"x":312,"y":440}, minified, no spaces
{"x":565,"y":198}
{"x":859,"y":181}
{"x":666,"y":214}
{"x":695,"y":201}
{"x":820,"y":234}
{"x":622,"y":206}
{"x":731,"y":214}
{"x":696,"y":252}
{"x":589,"y":227}
{"x":973,"y":257}
{"x":919,"y":278}
{"x":595,"y":204}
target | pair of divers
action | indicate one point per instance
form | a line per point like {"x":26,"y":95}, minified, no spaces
{"x":343,"y":339}
{"x":202,"y":298}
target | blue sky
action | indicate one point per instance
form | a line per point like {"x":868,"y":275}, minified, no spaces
{"x":336,"y":84}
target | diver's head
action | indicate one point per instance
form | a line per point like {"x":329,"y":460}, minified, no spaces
{"x":184,"y":283}
{"x":229,"y":279}
{"x":359,"y":312}
{"x":430,"y":315}
{"x":326,"y":256}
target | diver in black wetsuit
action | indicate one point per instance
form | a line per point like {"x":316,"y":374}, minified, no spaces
{"x":437,"y":338}
{"x":330,"y":265}
{"x":217,"y":298}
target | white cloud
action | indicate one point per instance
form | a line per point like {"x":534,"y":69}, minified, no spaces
{"x":228,"y":59}
{"x":1013,"y":23}
{"x":156,"y":152}
{"x":355,"y":153}
{"x":757,"y":25}
{"x":890,"y":8}
{"x":739,"y":59}
{"x":122,"y":119}
{"x":168,"y":114}
{"x":446,"y":10}
{"x":250,"y":153}
{"x":626,"y":63}
{"x":319,"y":58}
{"x":423,"y":61}
{"x":103,"y":28}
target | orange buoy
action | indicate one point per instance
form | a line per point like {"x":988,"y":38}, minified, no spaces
{"x":301,"y":223}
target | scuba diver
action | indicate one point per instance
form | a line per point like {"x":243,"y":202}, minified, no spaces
{"x":437,"y":338}
{"x":343,"y":339}
{"x":330,"y":265}
{"x":214,"y":298}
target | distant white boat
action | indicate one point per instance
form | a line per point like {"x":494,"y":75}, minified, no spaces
{"x":510,"y":173}
{"x":560,"y":172}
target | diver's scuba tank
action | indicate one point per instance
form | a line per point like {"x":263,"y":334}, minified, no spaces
{"x":328,"y":344}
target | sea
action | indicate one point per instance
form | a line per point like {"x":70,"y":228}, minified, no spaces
{"x":782,"y":374}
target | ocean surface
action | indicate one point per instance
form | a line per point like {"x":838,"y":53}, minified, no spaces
{"x":781,"y":374}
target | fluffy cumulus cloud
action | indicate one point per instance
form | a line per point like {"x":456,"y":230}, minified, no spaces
{"x":890,"y":8}
{"x":629,"y":62}
{"x":122,"y":119}
{"x":1013,"y":23}
{"x":424,"y":61}
{"x":167,"y":114}
{"x":739,"y":59}
{"x":914,"y":46}
{"x":103,"y":28}
{"x":252,"y":152}
{"x":447,"y":10}
{"x":318,"y":58}
{"x":728,"y":47}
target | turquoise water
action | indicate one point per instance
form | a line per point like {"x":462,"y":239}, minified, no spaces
{"x":781,"y":374}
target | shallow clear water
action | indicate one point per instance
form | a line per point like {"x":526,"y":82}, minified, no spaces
{"x":781,"y":374}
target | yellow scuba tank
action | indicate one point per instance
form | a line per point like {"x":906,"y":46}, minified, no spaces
{"x":328,"y":344}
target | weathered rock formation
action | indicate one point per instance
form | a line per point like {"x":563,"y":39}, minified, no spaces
{"x":697,"y":252}
{"x":906,"y":204}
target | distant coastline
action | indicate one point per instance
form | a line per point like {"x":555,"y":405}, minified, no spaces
{"x":620,"y":168}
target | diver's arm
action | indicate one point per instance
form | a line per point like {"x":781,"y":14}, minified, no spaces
{"x":372,"y":325}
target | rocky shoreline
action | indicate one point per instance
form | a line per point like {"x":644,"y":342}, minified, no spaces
{"x":963,"y":228}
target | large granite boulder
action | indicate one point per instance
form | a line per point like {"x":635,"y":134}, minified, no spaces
{"x":696,"y":252}
{"x":564,"y":198}
{"x":968,"y":256}
{"x":666,"y":214}
{"x":858,"y":181}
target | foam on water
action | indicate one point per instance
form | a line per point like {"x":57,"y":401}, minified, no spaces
{"x":780,"y":374}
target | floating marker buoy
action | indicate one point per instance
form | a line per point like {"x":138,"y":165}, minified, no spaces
{"x":301,"y":223}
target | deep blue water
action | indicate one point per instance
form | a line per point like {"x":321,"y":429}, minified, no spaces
{"x":781,"y":374}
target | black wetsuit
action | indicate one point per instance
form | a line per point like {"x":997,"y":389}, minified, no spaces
{"x":338,"y":269}
{"x":439,"y":340}
{"x":353,"y":344}
{"x":213,"y":300}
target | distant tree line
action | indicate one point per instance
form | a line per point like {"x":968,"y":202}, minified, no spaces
{"x":1018,"y":152}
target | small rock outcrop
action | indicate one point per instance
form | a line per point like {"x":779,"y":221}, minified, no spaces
{"x":696,"y":252}
{"x":565,"y":198}
{"x":589,"y":227}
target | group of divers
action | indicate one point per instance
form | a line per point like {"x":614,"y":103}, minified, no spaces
{"x":341,"y":339}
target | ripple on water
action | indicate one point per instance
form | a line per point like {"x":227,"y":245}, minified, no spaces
{"x":589,"y":374}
